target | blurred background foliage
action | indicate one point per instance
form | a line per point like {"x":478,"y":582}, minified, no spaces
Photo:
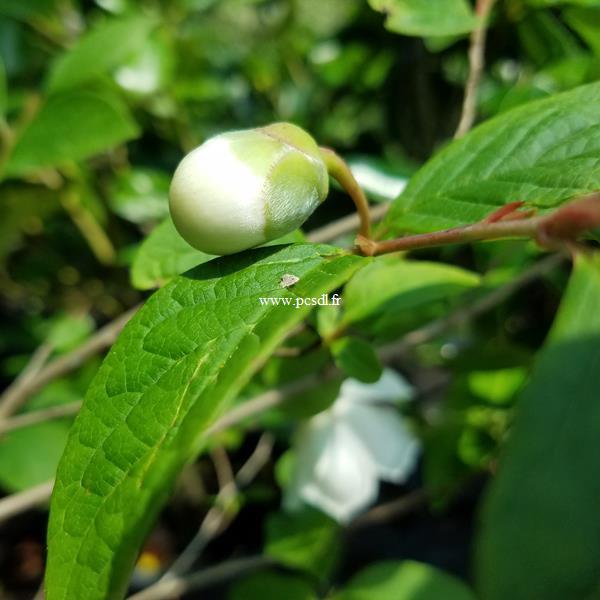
{"x":100,"y":100}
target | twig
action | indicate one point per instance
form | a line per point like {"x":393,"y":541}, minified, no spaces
{"x":262,"y":402}
{"x":11,"y":399}
{"x":218,"y":574}
{"x":472,"y":311}
{"x":102,"y":339}
{"x":345,"y":225}
{"x":39,"y":416}
{"x":223,"y":469}
{"x":256,"y":461}
{"x":223,"y":512}
{"x":217,"y":518}
{"x":93,"y":233}
{"x":559,"y":229}
{"x":477,"y":232}
{"x":410,"y":502}
{"x":476,"y":66}
{"x":391,"y":510}
{"x":22,"y":501}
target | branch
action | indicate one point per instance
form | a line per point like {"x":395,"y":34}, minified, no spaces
{"x":24,"y":501}
{"x":17,"y":394}
{"x":347,"y":224}
{"x":216,"y":519}
{"x":218,"y":574}
{"x":476,"y":66}
{"x":470,"y":312}
{"x":10,"y":400}
{"x":39,"y":416}
{"x":556,"y":230}
{"x":391,"y":510}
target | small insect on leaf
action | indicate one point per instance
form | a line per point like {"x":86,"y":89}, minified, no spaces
{"x":288,"y":280}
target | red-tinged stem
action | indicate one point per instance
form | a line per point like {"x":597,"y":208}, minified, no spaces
{"x":340,"y":171}
{"x":470,"y":233}
{"x":554,"y":230}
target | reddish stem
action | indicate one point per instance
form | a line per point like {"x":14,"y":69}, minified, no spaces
{"x":561,"y":227}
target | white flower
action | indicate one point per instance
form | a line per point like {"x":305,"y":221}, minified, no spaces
{"x":343,"y":452}
{"x":243,"y":188}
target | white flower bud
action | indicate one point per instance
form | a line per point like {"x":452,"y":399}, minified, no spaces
{"x":243,"y":188}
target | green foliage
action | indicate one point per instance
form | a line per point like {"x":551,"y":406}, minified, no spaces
{"x":96,"y":121}
{"x":543,"y":153}
{"x":99,"y":52}
{"x":23,"y":209}
{"x":140,"y":195}
{"x":271,"y":585}
{"x":163,"y":255}
{"x":357,"y":359}
{"x":119,"y":464}
{"x":407,"y":580}
{"x":306,"y":540}
{"x":29,"y":456}
{"x":3,"y":91}
{"x":585,"y":21}
{"x":427,"y":17}
{"x":540,"y":532}
{"x":389,"y":294}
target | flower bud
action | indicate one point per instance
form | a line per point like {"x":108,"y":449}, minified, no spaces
{"x":241,"y":189}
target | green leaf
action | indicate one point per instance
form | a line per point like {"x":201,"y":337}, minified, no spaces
{"x":544,"y":3}
{"x":29,"y":456}
{"x":393,"y":285}
{"x":403,"y":580}
{"x":306,"y":540}
{"x":3,"y":89}
{"x":175,"y":368}
{"x":17,"y":9}
{"x":497,"y":387}
{"x":586,"y":22}
{"x":545,"y":39}
{"x":66,"y":332}
{"x":140,"y":195}
{"x":163,"y":255}
{"x":99,"y":51}
{"x":25,"y":209}
{"x":70,"y":127}
{"x":426,"y":17}
{"x":540,"y":533}
{"x":357,"y":359}
{"x":543,"y":153}
{"x":271,"y":584}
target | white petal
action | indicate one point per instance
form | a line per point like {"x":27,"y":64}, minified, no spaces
{"x":334,"y":470}
{"x":393,"y":448}
{"x":211,"y":184}
{"x":390,"y":387}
